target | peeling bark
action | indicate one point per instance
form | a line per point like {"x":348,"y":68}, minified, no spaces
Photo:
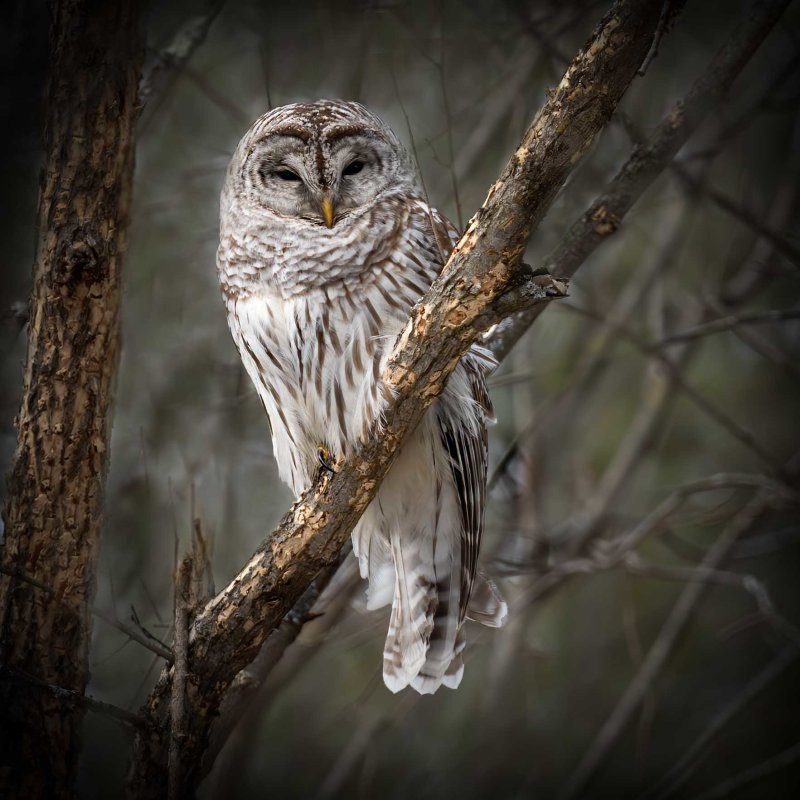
{"x":482,"y":283}
{"x":53,"y":515}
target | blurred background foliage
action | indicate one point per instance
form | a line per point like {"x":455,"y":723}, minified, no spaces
{"x":601,"y":433}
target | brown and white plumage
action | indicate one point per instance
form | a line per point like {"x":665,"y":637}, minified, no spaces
{"x":325,"y":245}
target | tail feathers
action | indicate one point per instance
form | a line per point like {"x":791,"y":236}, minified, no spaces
{"x":411,"y":620}
{"x":442,"y":672}
{"x":455,"y":672}
{"x":403,"y":655}
{"x":446,"y":667}
{"x":486,"y":604}
{"x":443,"y":664}
{"x":425,"y":640}
{"x":435,"y":658}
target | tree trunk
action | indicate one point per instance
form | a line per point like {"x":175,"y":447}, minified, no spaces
{"x":55,"y":499}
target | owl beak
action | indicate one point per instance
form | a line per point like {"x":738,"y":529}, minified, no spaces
{"x":328,"y":210}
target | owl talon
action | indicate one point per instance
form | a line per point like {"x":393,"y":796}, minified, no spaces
{"x":324,"y":458}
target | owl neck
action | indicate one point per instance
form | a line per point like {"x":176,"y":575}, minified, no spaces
{"x":293,"y":256}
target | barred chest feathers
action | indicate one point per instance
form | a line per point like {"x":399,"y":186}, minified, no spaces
{"x":316,"y":364}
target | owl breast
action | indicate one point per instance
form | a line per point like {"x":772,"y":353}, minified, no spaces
{"x":314,"y":332}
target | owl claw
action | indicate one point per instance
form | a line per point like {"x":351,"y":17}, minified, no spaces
{"x":324,"y":458}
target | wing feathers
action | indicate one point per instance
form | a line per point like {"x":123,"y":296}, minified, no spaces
{"x":462,"y":427}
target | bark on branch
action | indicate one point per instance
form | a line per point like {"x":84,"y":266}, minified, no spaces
{"x":483,"y":282}
{"x":604,"y":217}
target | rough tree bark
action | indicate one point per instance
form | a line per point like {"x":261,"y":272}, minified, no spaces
{"x":55,"y":489}
{"x":603,"y":218}
{"x":482,"y":283}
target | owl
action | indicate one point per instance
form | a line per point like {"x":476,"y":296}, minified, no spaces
{"x":325,"y":245}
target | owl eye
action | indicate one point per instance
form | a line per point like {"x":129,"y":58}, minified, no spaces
{"x":286,"y":175}
{"x":353,"y":168}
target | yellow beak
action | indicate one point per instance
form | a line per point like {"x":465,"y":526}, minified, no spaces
{"x":328,"y":211}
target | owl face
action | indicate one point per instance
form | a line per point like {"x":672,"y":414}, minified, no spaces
{"x":319,"y":162}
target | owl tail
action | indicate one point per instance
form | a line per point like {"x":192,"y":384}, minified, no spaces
{"x":444,"y":665}
{"x":424,"y":644}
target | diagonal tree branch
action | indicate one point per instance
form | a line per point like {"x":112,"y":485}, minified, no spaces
{"x":649,"y":160}
{"x":165,"y":66}
{"x":483,"y":282}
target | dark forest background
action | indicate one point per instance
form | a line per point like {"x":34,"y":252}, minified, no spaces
{"x":592,"y":430}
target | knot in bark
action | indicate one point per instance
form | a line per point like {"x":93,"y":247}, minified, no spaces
{"x":82,"y":259}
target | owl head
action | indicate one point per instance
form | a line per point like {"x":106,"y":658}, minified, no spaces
{"x":319,"y":162}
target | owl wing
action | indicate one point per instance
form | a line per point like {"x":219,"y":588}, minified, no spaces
{"x":462,"y":418}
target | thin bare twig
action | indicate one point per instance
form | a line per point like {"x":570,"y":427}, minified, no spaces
{"x":202,"y":576}
{"x":414,"y":152}
{"x":659,"y":517}
{"x":762,"y":260}
{"x":760,"y":344}
{"x":177,"y":709}
{"x":749,"y":583}
{"x":494,"y":117}
{"x":165,"y":65}
{"x":448,"y":120}
{"x":74,"y":697}
{"x":751,"y":110}
{"x":735,"y":429}
{"x":725,"y":324}
{"x":669,"y":11}
{"x":743,"y":215}
{"x":640,"y":437}
{"x":780,"y":761}
{"x":143,"y":630}
{"x":609,"y":554}
{"x":686,"y":765}
{"x":217,"y":97}
{"x":358,"y":744}
{"x":659,"y":652}
{"x":635,"y":646}
{"x":145,"y":639}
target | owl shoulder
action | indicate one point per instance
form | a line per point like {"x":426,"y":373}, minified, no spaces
{"x":440,"y":232}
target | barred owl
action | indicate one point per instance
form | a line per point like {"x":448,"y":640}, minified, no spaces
{"x":325,"y":245}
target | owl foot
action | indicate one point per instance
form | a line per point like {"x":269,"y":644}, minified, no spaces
{"x":325,"y":459}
